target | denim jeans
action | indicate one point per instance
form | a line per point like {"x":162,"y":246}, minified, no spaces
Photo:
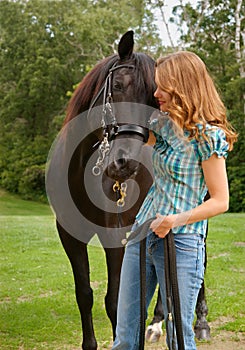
{"x":190,"y":270}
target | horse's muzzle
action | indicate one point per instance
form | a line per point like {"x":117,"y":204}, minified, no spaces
{"x":122,"y":169}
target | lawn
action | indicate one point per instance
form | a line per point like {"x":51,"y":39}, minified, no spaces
{"x":37,"y":301}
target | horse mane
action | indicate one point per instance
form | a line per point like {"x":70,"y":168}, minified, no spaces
{"x":94,"y":80}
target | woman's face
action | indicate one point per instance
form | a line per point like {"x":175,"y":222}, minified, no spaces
{"x":163,"y":97}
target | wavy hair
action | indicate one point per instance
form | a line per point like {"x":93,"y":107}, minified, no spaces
{"x":194,"y":97}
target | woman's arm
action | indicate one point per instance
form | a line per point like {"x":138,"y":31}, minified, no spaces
{"x":215,"y":175}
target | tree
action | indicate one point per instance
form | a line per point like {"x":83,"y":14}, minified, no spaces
{"x":46,"y":47}
{"x":218,"y":37}
{"x":215,"y":31}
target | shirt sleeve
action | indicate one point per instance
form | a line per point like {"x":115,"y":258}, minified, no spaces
{"x":217,"y":144}
{"x":160,"y":126}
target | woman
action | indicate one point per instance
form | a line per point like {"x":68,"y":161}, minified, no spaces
{"x":191,"y":138}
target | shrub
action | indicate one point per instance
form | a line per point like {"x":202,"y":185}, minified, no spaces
{"x":236,"y":176}
{"x":32,"y":183}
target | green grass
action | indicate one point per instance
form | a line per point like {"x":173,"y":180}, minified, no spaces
{"x":37,"y":302}
{"x":12,"y":205}
{"x":225,"y":273}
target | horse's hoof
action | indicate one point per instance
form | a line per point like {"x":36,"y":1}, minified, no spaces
{"x":90,"y":345}
{"x":153,"y":332}
{"x":203,"y":334}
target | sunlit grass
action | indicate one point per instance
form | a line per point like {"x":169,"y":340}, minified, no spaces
{"x":37,"y":301}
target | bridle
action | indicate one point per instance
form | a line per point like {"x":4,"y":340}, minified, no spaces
{"x":111,"y":129}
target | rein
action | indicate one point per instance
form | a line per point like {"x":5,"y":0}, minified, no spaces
{"x":172,"y":291}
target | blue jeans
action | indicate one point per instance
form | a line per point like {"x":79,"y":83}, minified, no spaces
{"x":190,"y":269}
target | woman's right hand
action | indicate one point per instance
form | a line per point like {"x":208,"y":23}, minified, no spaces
{"x":162,"y":224}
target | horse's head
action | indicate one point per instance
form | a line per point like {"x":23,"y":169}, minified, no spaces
{"x":133,"y":74}
{"x":128,"y":101}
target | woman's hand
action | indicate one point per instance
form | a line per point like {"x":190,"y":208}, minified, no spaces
{"x":162,"y":224}
{"x":151,"y":140}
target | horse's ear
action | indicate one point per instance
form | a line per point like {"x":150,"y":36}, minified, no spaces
{"x":126,"y":45}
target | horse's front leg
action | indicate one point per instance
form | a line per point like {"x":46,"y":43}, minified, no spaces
{"x":154,"y":330}
{"x":202,"y":329}
{"x":114,"y":257}
{"x":78,"y":256}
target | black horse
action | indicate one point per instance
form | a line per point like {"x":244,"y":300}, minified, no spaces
{"x":99,"y":160}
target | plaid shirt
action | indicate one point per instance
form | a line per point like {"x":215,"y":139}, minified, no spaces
{"x":179,"y":184}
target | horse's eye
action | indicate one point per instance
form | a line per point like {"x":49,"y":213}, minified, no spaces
{"x":118,"y":86}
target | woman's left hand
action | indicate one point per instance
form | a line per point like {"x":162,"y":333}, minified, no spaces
{"x":162,"y":225}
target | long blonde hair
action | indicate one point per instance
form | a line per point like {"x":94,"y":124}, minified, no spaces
{"x":194,"y":98}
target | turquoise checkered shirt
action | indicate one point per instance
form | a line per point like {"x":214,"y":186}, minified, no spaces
{"x":179,"y":184}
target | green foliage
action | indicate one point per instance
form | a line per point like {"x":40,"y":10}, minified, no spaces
{"x":22,"y":156}
{"x":209,"y":29}
{"x":32,"y":183}
{"x":46,"y":47}
{"x":236,"y":176}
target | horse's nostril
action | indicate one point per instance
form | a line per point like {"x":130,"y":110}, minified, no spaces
{"x":120,"y":162}
{"x":121,"y":158}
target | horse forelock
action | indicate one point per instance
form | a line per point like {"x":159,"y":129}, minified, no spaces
{"x":145,"y":82}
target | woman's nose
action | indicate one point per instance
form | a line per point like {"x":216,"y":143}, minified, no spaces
{"x":157,"y":93}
